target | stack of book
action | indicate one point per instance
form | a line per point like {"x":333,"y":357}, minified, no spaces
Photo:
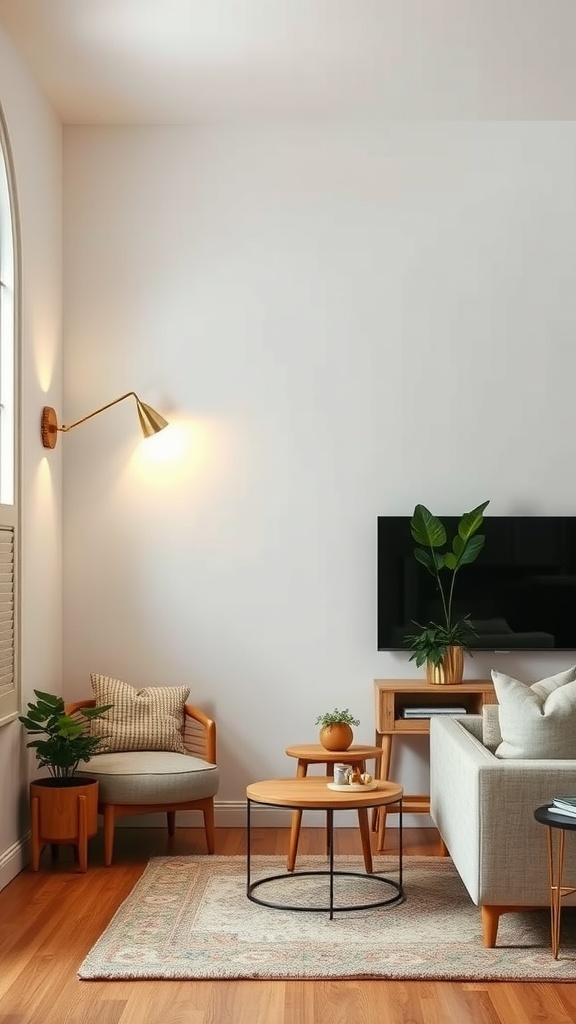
{"x":564,"y":805}
{"x":427,"y":712}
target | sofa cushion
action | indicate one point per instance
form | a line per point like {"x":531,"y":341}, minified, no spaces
{"x":537,"y":721}
{"x":151,"y":777}
{"x":151,"y":718}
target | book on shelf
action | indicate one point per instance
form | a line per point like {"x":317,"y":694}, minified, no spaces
{"x":427,"y":712}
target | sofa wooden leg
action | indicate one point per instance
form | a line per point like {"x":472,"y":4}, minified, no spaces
{"x":171,"y":816}
{"x":490,"y":919}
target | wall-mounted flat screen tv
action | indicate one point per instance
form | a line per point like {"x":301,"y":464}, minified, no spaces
{"x":520,"y":594}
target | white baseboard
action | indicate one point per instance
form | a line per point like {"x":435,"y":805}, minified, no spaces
{"x":14,"y":860}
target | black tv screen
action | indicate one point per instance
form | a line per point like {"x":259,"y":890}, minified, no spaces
{"x":520,"y":594}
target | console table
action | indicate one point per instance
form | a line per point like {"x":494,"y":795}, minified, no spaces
{"x":393,"y":696}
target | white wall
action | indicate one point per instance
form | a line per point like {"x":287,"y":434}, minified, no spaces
{"x":340,"y":320}
{"x":36,"y":140}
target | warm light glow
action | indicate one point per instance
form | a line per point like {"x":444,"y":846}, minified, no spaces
{"x":45,"y":500}
{"x":45,"y":348}
{"x":168,"y":446}
{"x":187,"y":452}
{"x":170,"y":456}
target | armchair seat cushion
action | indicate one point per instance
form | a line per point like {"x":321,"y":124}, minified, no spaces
{"x":152,"y":777}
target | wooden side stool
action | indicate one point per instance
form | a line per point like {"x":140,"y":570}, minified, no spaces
{"x":314,"y":753}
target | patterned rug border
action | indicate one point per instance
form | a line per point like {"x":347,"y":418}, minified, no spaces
{"x":189,"y":918}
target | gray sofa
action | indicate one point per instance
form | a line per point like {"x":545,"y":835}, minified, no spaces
{"x":483,"y":807}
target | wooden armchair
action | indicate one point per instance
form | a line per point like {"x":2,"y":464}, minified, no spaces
{"x":148,"y":781}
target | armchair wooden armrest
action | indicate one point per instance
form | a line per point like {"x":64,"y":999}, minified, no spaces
{"x":199,"y":734}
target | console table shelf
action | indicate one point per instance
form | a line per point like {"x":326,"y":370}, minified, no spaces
{"x":395,"y":695}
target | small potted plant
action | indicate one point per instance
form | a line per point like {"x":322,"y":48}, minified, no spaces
{"x":64,"y":807}
{"x":442,"y":645}
{"x":336,"y":729}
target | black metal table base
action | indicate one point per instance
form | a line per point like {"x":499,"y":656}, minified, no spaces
{"x":397,"y":897}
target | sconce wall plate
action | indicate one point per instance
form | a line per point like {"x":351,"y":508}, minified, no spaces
{"x":49,"y":427}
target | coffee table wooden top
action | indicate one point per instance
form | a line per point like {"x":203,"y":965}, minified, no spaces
{"x":315,"y":753}
{"x":313,"y":793}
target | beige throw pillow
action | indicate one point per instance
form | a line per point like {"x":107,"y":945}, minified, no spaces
{"x":151,"y":718}
{"x":537,"y":721}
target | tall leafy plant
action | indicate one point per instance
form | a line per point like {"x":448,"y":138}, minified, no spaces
{"x":443,"y":559}
{"x":64,"y":740}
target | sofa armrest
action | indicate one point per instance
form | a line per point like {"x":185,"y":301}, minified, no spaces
{"x":456,"y":756}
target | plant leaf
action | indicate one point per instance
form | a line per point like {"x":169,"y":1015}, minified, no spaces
{"x":30,"y":725}
{"x":34,"y":714}
{"x":427,"y":529}
{"x":433,"y":561}
{"x":95,"y":712}
{"x":472,"y":521}
{"x":48,"y":698}
{"x":472,"y":549}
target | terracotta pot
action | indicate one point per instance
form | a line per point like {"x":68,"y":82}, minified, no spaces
{"x":449,"y":671}
{"x":336,"y":737}
{"x":63,"y":811}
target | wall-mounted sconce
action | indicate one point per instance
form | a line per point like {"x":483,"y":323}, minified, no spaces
{"x":151,"y":422}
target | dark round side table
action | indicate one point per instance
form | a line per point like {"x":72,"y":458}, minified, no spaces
{"x":557,"y":824}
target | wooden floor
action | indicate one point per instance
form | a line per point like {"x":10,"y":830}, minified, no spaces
{"x":50,"y":919}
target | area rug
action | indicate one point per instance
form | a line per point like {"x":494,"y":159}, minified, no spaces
{"x":189,"y":917}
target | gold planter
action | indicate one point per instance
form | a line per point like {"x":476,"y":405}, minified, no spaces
{"x":449,"y":671}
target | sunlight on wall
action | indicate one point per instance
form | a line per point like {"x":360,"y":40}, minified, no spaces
{"x":44,"y":498}
{"x":185,"y":451}
{"x":45,"y":355}
{"x":191,"y":474}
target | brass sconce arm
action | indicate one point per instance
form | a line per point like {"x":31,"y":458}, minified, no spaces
{"x":151,"y":422}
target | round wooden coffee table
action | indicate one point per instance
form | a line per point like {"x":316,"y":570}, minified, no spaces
{"x":314,"y":753}
{"x":313,"y":793}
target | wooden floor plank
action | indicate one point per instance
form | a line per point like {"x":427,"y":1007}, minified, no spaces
{"x":50,"y":919}
{"x":532,"y":1002}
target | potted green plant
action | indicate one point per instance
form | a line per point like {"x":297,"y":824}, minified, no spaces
{"x":64,"y":808}
{"x":441,"y":645}
{"x":336,"y":729}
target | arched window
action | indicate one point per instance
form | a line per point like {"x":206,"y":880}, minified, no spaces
{"x":9,"y":474}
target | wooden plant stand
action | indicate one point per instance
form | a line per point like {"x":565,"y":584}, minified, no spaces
{"x":63,"y":812}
